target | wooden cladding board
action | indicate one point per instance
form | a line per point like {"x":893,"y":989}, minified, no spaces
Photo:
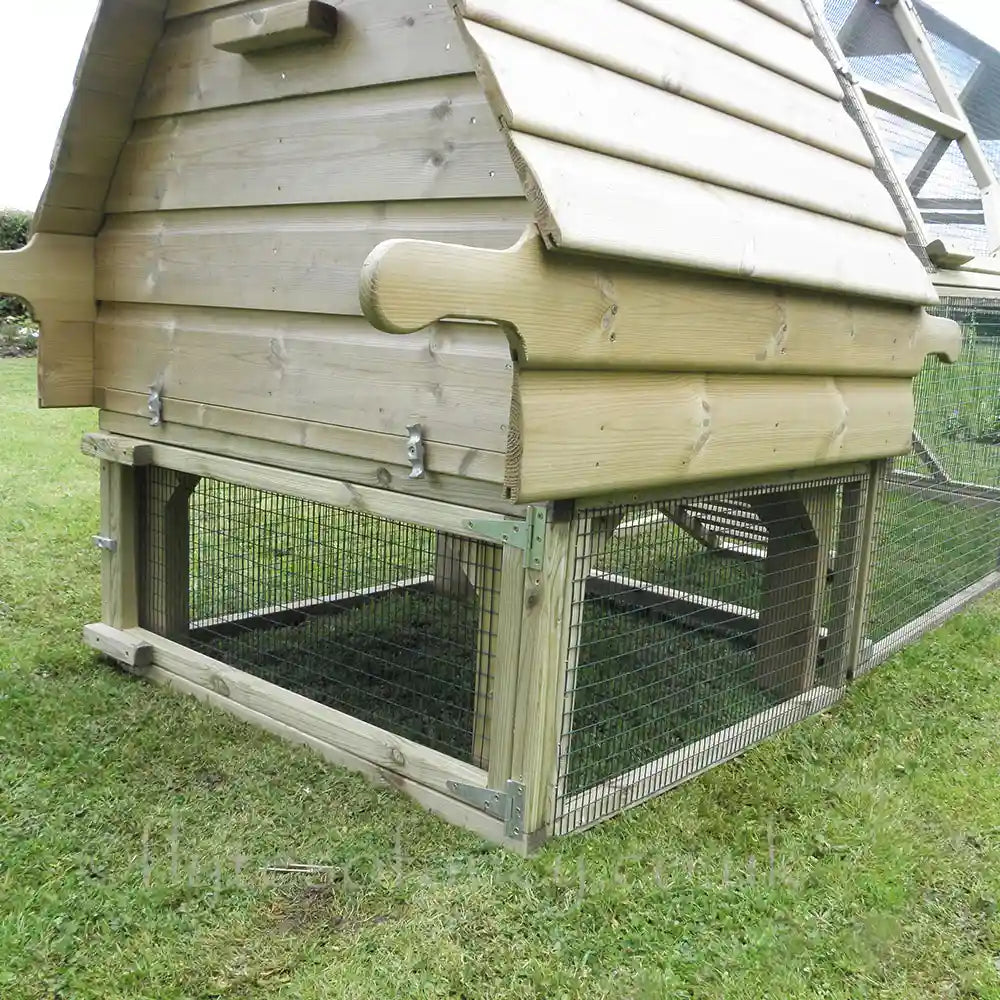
{"x":752,"y":34}
{"x":573,"y":312}
{"x":303,"y":259}
{"x":596,"y":204}
{"x":455,"y":380}
{"x":383,"y":449}
{"x":378,"y":41}
{"x":593,"y":108}
{"x":386,"y":476}
{"x":611,"y":34}
{"x":587,"y":433}
{"x":418,"y":140}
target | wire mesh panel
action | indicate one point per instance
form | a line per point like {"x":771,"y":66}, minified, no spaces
{"x":390,"y":622}
{"x":700,"y":627}
{"x":939,"y":528}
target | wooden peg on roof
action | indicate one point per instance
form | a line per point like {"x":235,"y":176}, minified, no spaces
{"x":275,"y":26}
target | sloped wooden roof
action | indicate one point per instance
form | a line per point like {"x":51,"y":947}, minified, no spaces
{"x":706,"y":134}
{"x":99,"y":117}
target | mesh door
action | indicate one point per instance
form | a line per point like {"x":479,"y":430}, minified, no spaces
{"x":390,"y":622}
{"x":701,"y":626}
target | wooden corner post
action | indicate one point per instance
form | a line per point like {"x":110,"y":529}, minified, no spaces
{"x":546,"y":610}
{"x":167,"y":553}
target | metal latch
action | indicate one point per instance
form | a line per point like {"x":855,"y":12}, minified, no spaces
{"x":415,"y":450}
{"x":104,"y":542}
{"x":507,"y":805}
{"x":528,"y":534}
{"x":154,"y":404}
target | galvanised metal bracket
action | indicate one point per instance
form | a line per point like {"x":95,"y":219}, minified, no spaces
{"x":528,"y":534}
{"x":104,"y":542}
{"x":415,"y":450}
{"x":507,"y":805}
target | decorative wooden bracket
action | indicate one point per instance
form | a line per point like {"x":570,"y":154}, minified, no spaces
{"x":275,"y":26}
{"x":574,"y":312}
{"x":55,"y":275}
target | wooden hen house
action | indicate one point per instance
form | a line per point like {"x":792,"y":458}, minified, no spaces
{"x":480,"y":384}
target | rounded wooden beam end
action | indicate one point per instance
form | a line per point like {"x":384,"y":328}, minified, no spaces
{"x":386,"y":301}
{"x":943,"y":338}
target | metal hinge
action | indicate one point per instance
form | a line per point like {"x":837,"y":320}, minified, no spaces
{"x":528,"y":534}
{"x":507,"y":805}
{"x":104,"y":542}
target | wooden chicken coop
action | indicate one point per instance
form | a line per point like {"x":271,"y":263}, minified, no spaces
{"x":492,"y":396}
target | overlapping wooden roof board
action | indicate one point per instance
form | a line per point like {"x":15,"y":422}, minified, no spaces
{"x":99,"y":117}
{"x":692,"y":134}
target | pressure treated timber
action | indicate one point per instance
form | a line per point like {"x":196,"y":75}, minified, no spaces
{"x":119,"y":450}
{"x":117,"y":645}
{"x":930,"y":620}
{"x":382,"y":42}
{"x":912,"y":30}
{"x":274,"y":26}
{"x":455,"y":380}
{"x":433,"y":514}
{"x":611,"y":34}
{"x":166,"y":545}
{"x":55,"y":275}
{"x":899,"y":103}
{"x":99,"y":116}
{"x":661,"y":495}
{"x":454,"y":460}
{"x":801,"y":531}
{"x":119,"y":561}
{"x":298,"y":612}
{"x":845,"y":585}
{"x":856,"y":658}
{"x":544,"y":636}
{"x":485,"y":568}
{"x":363,"y":471}
{"x":643,"y":782}
{"x":506,"y":666}
{"x":681,"y":607}
{"x":415,"y":140}
{"x":299,"y":259}
{"x":434,"y":801}
{"x":948,"y":491}
{"x":574,"y":312}
{"x":581,"y":105}
{"x":591,"y":533}
{"x":386,"y":750}
{"x":751,"y":34}
{"x":584,"y":433}
{"x":591,"y":203}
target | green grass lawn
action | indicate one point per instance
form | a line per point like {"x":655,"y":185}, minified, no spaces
{"x":857,"y":855}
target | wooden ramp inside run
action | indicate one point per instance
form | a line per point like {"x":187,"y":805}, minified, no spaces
{"x":721,"y":525}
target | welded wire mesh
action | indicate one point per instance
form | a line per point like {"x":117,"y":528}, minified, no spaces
{"x":939,"y":528}
{"x":390,"y":622}
{"x":699,"y":627}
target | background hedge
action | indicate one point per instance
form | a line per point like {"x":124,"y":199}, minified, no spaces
{"x":14,"y":227}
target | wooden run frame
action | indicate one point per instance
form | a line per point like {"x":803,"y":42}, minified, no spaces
{"x":534,"y":607}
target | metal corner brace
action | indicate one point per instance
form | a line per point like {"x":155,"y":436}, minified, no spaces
{"x":507,"y":805}
{"x":528,"y":534}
